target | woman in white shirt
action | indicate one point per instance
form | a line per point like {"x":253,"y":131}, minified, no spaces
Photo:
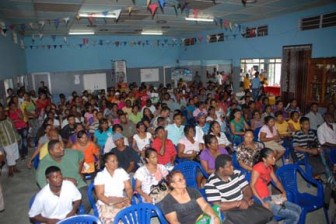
{"x":215,"y":129}
{"x":269,"y":135}
{"x":148,"y":175}
{"x":113,"y":188}
{"x":142,"y":139}
{"x":188,"y":147}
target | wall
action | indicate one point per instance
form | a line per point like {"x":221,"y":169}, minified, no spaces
{"x":98,"y":53}
{"x":282,"y":31}
{"x":13,"y":59}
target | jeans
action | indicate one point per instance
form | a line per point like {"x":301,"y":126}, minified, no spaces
{"x":289,"y":211}
{"x":23,"y":146}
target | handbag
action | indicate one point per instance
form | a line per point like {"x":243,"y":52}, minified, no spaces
{"x":159,"y":191}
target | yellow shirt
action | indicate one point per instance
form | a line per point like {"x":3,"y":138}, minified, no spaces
{"x":44,"y":150}
{"x":246,"y":83}
{"x":282,"y":128}
{"x":296,"y":125}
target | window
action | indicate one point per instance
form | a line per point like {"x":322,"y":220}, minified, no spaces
{"x":320,"y":21}
{"x":270,"y":68}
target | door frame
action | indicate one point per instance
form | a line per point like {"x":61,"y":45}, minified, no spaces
{"x":39,"y":74}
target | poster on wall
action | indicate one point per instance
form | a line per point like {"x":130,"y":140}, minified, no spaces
{"x":149,"y":75}
{"x":120,"y":71}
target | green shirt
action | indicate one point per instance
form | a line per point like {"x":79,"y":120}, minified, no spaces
{"x":8,"y":134}
{"x":69,"y":166}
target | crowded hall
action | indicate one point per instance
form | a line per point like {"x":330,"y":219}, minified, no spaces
{"x":168,"y":111}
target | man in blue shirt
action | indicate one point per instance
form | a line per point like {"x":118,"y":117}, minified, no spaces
{"x":255,"y":86}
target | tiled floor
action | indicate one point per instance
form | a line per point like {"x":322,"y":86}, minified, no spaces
{"x":19,"y":189}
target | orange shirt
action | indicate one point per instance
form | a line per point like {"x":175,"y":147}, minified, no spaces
{"x":91,"y":152}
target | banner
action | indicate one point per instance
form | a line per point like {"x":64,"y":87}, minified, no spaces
{"x":120,"y":72}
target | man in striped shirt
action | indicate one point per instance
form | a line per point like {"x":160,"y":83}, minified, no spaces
{"x":9,"y":142}
{"x":305,"y":143}
{"x":229,"y":189}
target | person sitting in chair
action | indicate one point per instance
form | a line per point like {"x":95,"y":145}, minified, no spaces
{"x":57,"y":200}
{"x":229,"y":189}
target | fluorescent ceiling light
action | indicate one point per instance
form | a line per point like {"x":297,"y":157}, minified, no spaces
{"x":97,"y":15}
{"x":81,"y":32}
{"x":199,"y":19}
{"x":151,"y":32}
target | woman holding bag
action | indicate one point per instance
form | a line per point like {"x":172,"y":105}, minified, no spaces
{"x":262,"y":174}
{"x":150,"y":176}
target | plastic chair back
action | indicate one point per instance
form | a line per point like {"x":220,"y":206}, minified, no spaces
{"x":308,"y":202}
{"x":140,"y":213}
{"x":92,"y":199}
{"x":31,"y":201}
{"x":81,"y":219}
{"x":256,"y":134}
{"x":189,"y":171}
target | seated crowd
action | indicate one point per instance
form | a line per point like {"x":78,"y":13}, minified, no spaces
{"x":138,"y":134}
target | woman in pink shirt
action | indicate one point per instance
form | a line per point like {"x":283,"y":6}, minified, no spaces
{"x":270,"y":137}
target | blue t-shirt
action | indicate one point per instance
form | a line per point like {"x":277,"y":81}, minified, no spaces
{"x":102,"y":137}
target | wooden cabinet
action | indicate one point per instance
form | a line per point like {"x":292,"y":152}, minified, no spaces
{"x":321,"y":81}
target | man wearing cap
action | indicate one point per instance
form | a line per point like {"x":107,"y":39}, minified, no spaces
{"x":127,"y":157}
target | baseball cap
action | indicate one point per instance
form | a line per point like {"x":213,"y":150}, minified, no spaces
{"x":117,"y":136}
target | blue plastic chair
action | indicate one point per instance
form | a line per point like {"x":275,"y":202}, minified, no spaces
{"x":81,"y":219}
{"x":31,"y":201}
{"x":189,"y":171}
{"x":140,"y":213}
{"x":92,"y":199}
{"x":308,"y":202}
{"x":256,"y":134}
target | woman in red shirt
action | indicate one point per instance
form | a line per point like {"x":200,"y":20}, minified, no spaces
{"x":16,"y":115}
{"x":262,"y":174}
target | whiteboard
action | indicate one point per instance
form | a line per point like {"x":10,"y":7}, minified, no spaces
{"x":149,"y":75}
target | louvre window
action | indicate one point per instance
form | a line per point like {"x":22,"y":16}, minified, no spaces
{"x":329,"y":20}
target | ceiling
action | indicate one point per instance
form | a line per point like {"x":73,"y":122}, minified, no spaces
{"x":47,"y":17}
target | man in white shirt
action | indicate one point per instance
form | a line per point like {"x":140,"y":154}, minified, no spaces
{"x":57,"y":200}
{"x":326,"y":134}
{"x":315,"y":118}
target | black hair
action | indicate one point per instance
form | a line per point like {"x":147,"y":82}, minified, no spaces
{"x":158,"y":129}
{"x":264,"y":153}
{"x":115,"y":126}
{"x":51,"y":144}
{"x":81,"y":133}
{"x":149,"y":151}
{"x":107,"y":155}
{"x":169,"y":177}
{"x":187,"y":128}
{"x":303,"y":119}
{"x":292,"y":113}
{"x":212,"y":123}
{"x":221,"y":161}
{"x":268,"y":118}
{"x":278,"y":113}
{"x":233,"y":113}
{"x":101,"y":122}
{"x":139,"y":124}
{"x":52,"y":169}
{"x":207,"y":139}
